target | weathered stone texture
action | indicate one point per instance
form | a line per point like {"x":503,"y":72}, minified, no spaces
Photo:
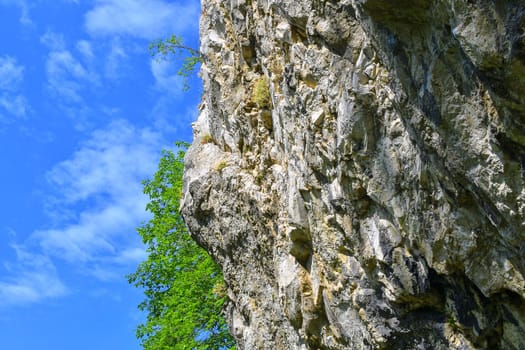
{"x":378,"y":200}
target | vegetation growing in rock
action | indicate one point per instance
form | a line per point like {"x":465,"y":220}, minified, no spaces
{"x":261,"y":93}
{"x":184,"y":287}
{"x":206,"y":138}
{"x":164,"y":48}
{"x":221,"y":165}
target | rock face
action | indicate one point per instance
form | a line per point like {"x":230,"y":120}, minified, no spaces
{"x":358,"y":171}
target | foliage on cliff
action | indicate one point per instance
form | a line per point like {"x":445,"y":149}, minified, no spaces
{"x":174,"y":46}
{"x":184,"y":288}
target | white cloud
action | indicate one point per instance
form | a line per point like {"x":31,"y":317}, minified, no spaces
{"x":69,"y":79}
{"x":11,"y":74}
{"x":115,"y":60}
{"x":108,"y":163}
{"x":166,"y":78}
{"x":101,"y":186}
{"x":98,"y":232}
{"x":149,"y":19}
{"x":85,"y":49}
{"x":53,"y":41}
{"x":169,"y":87}
{"x":11,"y":78}
{"x":24,"y":8}
{"x":131,"y":255}
{"x":66,"y":75}
{"x":31,"y":279}
{"x":16,"y":105}
{"x":103,"y":181}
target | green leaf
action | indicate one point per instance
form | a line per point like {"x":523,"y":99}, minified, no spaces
{"x":184,"y":287}
{"x":172,"y":46}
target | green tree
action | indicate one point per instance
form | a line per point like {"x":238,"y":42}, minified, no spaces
{"x":165,"y":48}
{"x":184,"y":287}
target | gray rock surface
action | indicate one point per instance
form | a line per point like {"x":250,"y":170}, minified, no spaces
{"x":377,"y":201}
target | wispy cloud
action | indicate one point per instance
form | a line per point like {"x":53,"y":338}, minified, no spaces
{"x":149,"y":19}
{"x":53,"y":41}
{"x":85,"y":49}
{"x":11,"y":78}
{"x":115,"y":60}
{"x":31,"y":278}
{"x":99,"y":201}
{"x":103,"y":179}
{"x":169,"y":89}
{"x":66,"y":74}
{"x":167,"y":80}
{"x":24,"y":8}
{"x":11,"y":74}
{"x":15,"y":105}
{"x":70,"y":76}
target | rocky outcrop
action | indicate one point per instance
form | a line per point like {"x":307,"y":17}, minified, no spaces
{"x":358,"y":171}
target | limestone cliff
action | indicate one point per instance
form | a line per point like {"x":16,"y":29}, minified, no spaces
{"x":358,"y":171}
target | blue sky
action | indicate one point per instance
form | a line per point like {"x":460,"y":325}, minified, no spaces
{"x":84,"y":113}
